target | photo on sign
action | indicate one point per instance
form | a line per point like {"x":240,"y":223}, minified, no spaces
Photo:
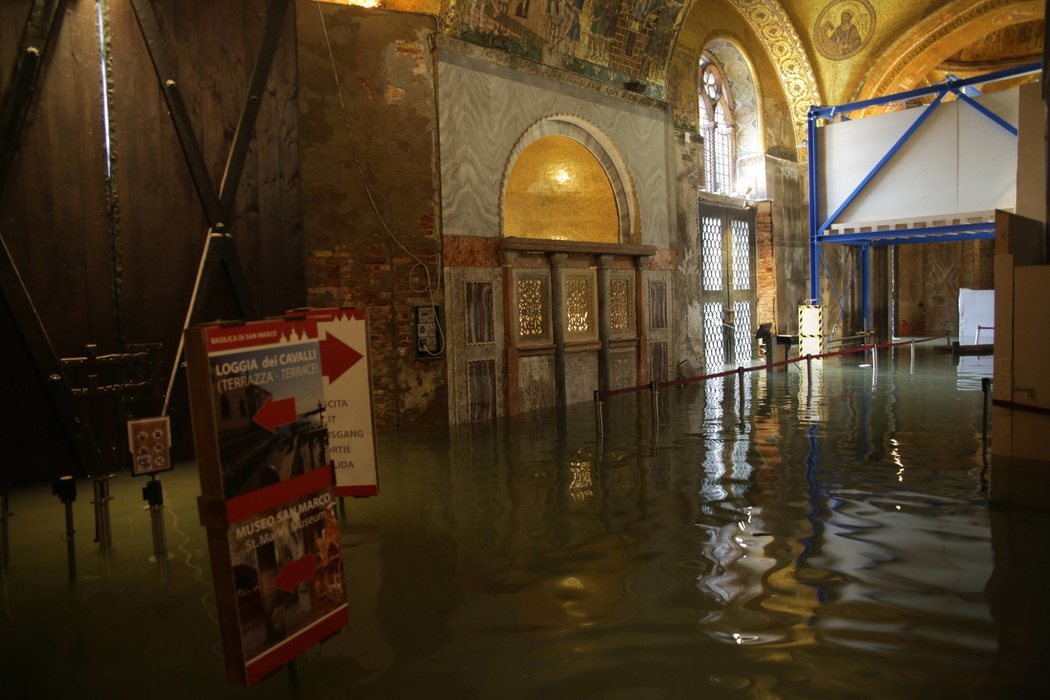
{"x":287,"y":570}
{"x":269,"y":410}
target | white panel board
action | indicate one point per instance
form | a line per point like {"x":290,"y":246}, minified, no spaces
{"x":913,"y":183}
{"x":958,"y":161}
{"x":976,"y":312}
{"x":988,"y":153}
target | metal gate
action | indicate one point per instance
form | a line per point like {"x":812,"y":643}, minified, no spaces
{"x":728,"y":284}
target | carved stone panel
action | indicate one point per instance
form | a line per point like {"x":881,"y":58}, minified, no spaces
{"x":581,"y":376}
{"x":536,"y":382}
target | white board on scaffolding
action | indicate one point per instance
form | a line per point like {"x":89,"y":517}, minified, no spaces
{"x":958,"y":161}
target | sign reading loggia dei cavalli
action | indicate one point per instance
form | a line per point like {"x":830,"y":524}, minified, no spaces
{"x":270,"y":400}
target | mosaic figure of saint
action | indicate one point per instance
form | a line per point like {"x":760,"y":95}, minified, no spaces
{"x":843,"y":28}
{"x":845,"y":37}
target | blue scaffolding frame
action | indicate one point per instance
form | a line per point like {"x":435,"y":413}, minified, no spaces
{"x":865,"y":241}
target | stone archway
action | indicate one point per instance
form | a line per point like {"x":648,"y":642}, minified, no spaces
{"x":605,"y":153}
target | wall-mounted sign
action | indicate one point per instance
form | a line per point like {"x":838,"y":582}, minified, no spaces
{"x":260,"y":432}
{"x":348,"y":399}
{"x":149,"y":441}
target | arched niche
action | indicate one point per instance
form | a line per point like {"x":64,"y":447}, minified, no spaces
{"x":565,"y":181}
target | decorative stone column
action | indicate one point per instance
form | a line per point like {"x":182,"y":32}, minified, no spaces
{"x":641,"y":290}
{"x":510,"y":333}
{"x":558,"y":261}
{"x":604,"y":324}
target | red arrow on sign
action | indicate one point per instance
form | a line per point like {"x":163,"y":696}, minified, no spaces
{"x":294,"y":572}
{"x":273,"y":414}
{"x":337,"y":357}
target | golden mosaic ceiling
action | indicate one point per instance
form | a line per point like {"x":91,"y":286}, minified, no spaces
{"x":825,"y":51}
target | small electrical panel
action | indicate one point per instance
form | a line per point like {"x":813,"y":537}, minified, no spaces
{"x":430,"y":332}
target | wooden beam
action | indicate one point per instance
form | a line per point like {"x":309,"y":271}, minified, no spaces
{"x":165,"y":68}
{"x":39,"y":28}
{"x":242,"y":138}
{"x":48,"y":367}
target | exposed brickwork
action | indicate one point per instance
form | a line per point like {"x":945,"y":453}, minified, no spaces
{"x":471,"y":251}
{"x":387,"y":157}
{"x":765,"y":265}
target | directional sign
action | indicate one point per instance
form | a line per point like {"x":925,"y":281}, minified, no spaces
{"x":294,"y":573}
{"x":348,"y":411}
{"x":273,"y":414}
{"x":258,"y":403}
{"x":337,"y":357}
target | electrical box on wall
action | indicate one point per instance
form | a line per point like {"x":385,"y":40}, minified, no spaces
{"x":430,"y":333}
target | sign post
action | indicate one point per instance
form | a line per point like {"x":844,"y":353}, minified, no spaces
{"x":267,"y":503}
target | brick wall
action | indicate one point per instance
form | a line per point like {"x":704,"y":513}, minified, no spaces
{"x":385,"y":161}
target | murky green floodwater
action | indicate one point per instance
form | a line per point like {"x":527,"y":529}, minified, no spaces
{"x":836,"y":542}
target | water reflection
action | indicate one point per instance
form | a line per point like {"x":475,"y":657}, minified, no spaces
{"x":971,"y":370}
{"x":835,"y":543}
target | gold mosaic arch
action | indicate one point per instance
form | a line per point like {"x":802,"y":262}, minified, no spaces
{"x":909,"y":59}
{"x":775,"y":29}
{"x":604,"y":150}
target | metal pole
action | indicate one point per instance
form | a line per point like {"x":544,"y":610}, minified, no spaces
{"x":103,"y":525}
{"x":865,"y":286}
{"x":598,"y":423}
{"x":65,"y":487}
{"x":71,"y":549}
{"x":5,"y":542}
{"x":153,"y":494}
{"x":809,"y":368}
{"x":912,"y":357}
{"x":986,"y":385}
{"x":656,"y":402}
{"x":814,"y":203}
{"x":160,"y":545}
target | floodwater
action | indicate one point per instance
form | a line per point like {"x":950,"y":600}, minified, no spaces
{"x":808,"y":537}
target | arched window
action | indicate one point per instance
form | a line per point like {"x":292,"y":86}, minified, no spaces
{"x":717,"y":126}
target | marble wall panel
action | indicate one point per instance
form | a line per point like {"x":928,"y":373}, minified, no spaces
{"x":536,"y":382}
{"x":485,"y":108}
{"x":581,"y":376}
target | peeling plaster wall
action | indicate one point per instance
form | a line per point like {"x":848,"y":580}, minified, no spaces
{"x":386,"y":72}
{"x":687,"y":310}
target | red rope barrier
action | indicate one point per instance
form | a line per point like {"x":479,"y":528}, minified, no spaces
{"x":753,"y":368}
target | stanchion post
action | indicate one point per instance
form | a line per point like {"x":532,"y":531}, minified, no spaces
{"x":912,"y":356}
{"x":809,"y":368}
{"x":5,"y":540}
{"x":656,"y":401}
{"x":65,"y":487}
{"x":103,"y":525}
{"x":986,"y":385}
{"x":599,"y":427}
{"x":153,"y":495}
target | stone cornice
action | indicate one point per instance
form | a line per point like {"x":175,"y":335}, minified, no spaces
{"x":544,"y":245}
{"x":502,"y":58}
